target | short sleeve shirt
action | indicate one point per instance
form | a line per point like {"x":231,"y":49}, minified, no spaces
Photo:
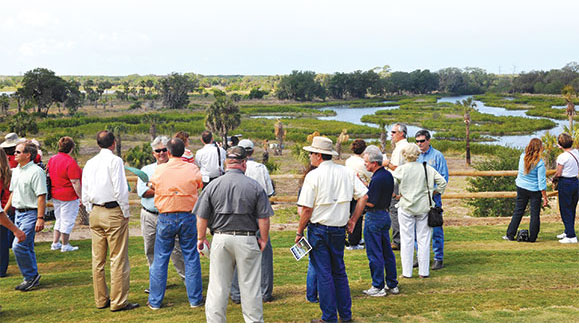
{"x":28,"y":182}
{"x":380,"y":189}
{"x":570,"y":168}
{"x":62,"y":168}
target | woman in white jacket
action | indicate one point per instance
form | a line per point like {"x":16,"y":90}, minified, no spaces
{"x":413,"y":209}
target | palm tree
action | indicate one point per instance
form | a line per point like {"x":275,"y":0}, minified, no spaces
{"x":467,"y":106}
{"x":568,"y":92}
{"x":117,"y":129}
{"x":382,"y":125}
{"x":222,"y":116}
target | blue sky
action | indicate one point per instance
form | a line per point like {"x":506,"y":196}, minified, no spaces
{"x":274,"y":37}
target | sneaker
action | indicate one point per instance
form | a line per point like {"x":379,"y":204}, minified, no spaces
{"x":29,"y":285}
{"x":362,"y":242}
{"x":375,"y":292}
{"x":394,"y":290}
{"x":568,"y":240}
{"x":507,"y":238}
{"x":357,"y":247}
{"x":152,"y":307}
{"x":197,"y":305}
{"x":55,"y":246}
{"x":561,"y":236}
{"x":68,"y":248}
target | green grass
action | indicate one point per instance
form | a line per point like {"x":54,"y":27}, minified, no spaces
{"x":485,"y":279}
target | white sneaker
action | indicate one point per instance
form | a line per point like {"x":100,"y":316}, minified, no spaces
{"x":394,"y":290}
{"x":68,"y":248}
{"x":561,"y":236}
{"x":55,"y":246}
{"x":375,"y":292}
{"x":568,"y":240}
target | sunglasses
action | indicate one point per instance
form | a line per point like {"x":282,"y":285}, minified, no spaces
{"x":420,"y":141}
{"x":161,"y":150}
{"x":394,"y":132}
{"x":18,"y":152}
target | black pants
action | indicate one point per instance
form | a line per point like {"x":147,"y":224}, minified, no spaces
{"x":355,"y":237}
{"x":523,"y":198}
{"x":6,"y":239}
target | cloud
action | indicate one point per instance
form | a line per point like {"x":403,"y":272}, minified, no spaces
{"x":44,"y":47}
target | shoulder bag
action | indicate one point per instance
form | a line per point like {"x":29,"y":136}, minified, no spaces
{"x":435,"y":213}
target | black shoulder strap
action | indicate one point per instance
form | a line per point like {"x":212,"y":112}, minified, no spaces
{"x":574,"y":157}
{"x":218,"y":156}
{"x":427,"y":189}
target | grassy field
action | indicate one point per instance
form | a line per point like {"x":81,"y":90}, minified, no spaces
{"x":485,"y":279}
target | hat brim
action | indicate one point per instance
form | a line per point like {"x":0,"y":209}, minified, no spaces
{"x":321,"y":151}
{"x":8,"y":144}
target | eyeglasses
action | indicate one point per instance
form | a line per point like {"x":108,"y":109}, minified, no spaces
{"x":420,"y":141}
{"x":394,"y":132}
{"x":161,"y":150}
{"x":18,"y":152}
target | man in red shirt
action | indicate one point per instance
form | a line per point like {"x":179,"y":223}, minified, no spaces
{"x":65,"y":177}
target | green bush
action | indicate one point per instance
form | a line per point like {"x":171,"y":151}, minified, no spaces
{"x":140,"y":156}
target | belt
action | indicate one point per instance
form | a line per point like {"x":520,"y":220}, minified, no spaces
{"x":236,"y":233}
{"x":324,"y":226}
{"x":107,"y":205}
{"x":152,"y":212}
{"x":26,"y":210}
{"x":375,"y":210}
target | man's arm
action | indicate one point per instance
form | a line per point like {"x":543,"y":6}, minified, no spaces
{"x":362,"y":202}
{"x":4,"y":221}
{"x":40,"y":214}
{"x":304,"y":219}
{"x":201,"y":233}
{"x":264,"y":232}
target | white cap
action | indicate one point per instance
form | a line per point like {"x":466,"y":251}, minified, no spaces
{"x":246,"y":144}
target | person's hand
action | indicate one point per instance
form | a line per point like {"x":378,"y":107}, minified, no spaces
{"x":39,"y":225}
{"x":545,"y":202}
{"x":20,"y":235}
{"x":262,"y":243}
{"x":201,"y":244}
{"x":351,"y":225}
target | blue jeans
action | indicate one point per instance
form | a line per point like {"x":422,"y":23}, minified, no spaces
{"x":568,"y":197}
{"x":170,"y":225}
{"x":379,"y":250}
{"x":24,"y":251}
{"x":327,"y":257}
{"x":311,"y":281}
{"x":438,"y":243}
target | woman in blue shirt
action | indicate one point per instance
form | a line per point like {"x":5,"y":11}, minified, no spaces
{"x":531,"y":185}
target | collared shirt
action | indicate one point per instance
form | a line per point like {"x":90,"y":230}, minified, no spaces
{"x":233,"y":201}
{"x":147,"y":202}
{"x":28,"y":182}
{"x":435,"y":159}
{"x":259,"y":173}
{"x":380,"y":189}
{"x":535,"y":180}
{"x":176,"y":183}
{"x":328,"y":190}
{"x":412,"y":185}
{"x":104,"y":180}
{"x":63,"y":168}
{"x":208,"y":162}
{"x":397,"y":159}
{"x":356,"y":163}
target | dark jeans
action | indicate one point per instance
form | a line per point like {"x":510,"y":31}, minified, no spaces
{"x":568,"y":196}
{"x":327,"y":257}
{"x":523,"y":198}
{"x":6,"y":238}
{"x":378,"y":249}
{"x":355,"y":237}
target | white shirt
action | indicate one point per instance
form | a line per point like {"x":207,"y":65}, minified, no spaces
{"x":397,"y":159}
{"x":104,"y":180}
{"x":356,"y":163}
{"x":259,"y":173}
{"x":208,"y":163}
{"x":329,"y":190}
{"x":570,"y":168}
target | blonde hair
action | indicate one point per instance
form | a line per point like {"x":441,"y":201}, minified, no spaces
{"x":533,"y":154}
{"x":411,"y":152}
{"x":5,"y":171}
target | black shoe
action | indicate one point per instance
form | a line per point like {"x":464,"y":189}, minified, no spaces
{"x":437,"y":265}
{"x":268,"y":299}
{"x":29,"y":285}
{"x":107,"y":305}
{"x":147,"y":291}
{"x":127,"y":307}
{"x":237,"y":302}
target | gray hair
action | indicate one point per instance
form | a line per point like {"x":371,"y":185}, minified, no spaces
{"x":161,"y":139}
{"x":402,"y":128}
{"x":411,"y":152}
{"x":374,"y":154}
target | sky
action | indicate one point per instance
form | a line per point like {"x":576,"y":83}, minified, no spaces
{"x":254,"y":37}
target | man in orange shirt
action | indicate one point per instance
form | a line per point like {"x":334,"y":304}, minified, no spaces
{"x":176,"y":184}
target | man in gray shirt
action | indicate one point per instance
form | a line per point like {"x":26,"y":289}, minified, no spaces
{"x":229,"y":206}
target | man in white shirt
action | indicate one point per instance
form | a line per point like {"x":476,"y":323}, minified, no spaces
{"x":105,"y":195}
{"x":209,"y":159}
{"x":325,"y":200}
{"x":259,"y":173}
{"x":399,"y":133}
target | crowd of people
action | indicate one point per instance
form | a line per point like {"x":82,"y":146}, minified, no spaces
{"x":225,"y":192}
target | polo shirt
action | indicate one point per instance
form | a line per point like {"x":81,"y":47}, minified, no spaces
{"x":148,"y":203}
{"x":176,"y":183}
{"x":380,"y":189}
{"x":62,"y":168}
{"x":328,"y":190}
{"x":28,"y":182}
{"x":233,"y":202}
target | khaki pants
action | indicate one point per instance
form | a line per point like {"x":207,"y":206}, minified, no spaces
{"x":110,"y":231}
{"x":227,"y":252}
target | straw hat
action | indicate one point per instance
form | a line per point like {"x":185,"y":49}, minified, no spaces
{"x":11,"y":140}
{"x":321,"y":145}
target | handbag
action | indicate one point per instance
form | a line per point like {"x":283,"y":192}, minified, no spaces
{"x":522,"y":235}
{"x":48,"y":185}
{"x":435,"y":212}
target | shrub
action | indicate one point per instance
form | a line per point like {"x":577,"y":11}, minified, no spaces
{"x":140,"y":156}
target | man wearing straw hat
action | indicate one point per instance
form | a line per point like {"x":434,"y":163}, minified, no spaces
{"x":325,"y":198}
